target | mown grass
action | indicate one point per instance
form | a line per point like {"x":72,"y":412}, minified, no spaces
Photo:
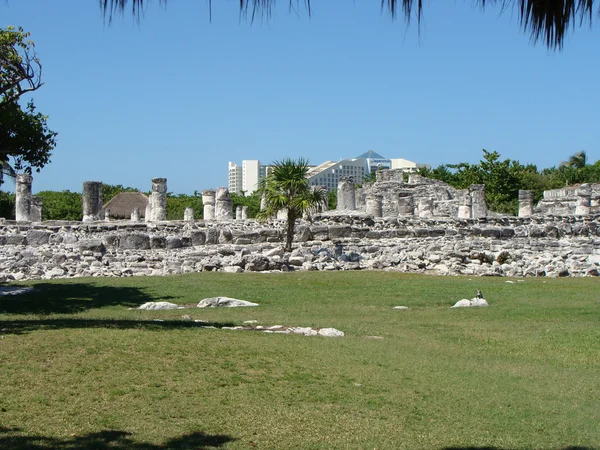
{"x":79,"y":370}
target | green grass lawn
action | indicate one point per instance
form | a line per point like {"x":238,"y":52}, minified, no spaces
{"x":79,"y":370}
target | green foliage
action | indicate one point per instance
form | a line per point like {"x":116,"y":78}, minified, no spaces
{"x":25,"y":139}
{"x":332,"y":199}
{"x":64,"y":205}
{"x":252,"y":201}
{"x":176,"y":204}
{"x":286,"y":188}
{"x":7,"y":205}
{"x":504,"y":178}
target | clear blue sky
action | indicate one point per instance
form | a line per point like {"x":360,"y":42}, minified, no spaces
{"x":177,"y":96}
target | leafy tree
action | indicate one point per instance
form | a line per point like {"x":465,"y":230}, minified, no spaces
{"x":546,"y":21}
{"x":176,"y":204}
{"x":64,"y":205}
{"x":25,"y":139}
{"x":577,"y":160}
{"x":286,"y":188}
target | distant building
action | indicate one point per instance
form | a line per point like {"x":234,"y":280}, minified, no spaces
{"x":328,"y":174}
{"x":374,"y":161}
{"x":247,"y":176}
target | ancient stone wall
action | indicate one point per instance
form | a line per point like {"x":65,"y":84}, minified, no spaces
{"x":531,"y":246}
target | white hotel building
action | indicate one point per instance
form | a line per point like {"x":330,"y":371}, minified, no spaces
{"x":246,"y":177}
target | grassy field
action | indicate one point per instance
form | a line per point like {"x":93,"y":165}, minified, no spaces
{"x":79,"y":370}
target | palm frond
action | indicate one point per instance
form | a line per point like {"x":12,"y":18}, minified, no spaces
{"x":545,"y":20}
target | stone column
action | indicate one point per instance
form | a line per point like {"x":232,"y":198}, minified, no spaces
{"x":208,"y":203}
{"x":282,"y":214}
{"x":23,"y":197}
{"x":478,"y":206}
{"x":188,"y":214}
{"x":263,"y":202}
{"x":223,"y":204}
{"x":92,"y":200}
{"x":158,"y":199}
{"x":244,"y":213}
{"x":406,"y":206}
{"x":238,"y":213}
{"x":346,"y":199}
{"x":148,"y":213}
{"x":107,"y":214}
{"x":425,"y":207}
{"x":37,"y":204}
{"x":360,"y":199}
{"x":374,"y":205}
{"x":135,"y":215}
{"x":464,"y":204}
{"x":584,"y":194}
{"x":525,"y":203}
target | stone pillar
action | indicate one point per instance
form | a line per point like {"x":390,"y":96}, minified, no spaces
{"x":346,"y":199}
{"x":223,"y":204}
{"x":425,"y":207}
{"x":525,"y":203}
{"x":148,"y":213}
{"x":478,"y":206}
{"x":188,"y":214}
{"x":360,"y":199}
{"x":238,"y":213}
{"x":263,"y":202}
{"x":584,"y":194}
{"x":282,"y":214}
{"x":244,"y":213}
{"x":37,"y":204}
{"x":107,"y":214}
{"x":23,"y":197}
{"x":406,"y":206}
{"x":135,"y":215}
{"x":158,"y":199}
{"x":464,"y":204}
{"x":92,"y":200}
{"x":374,"y":205}
{"x":208,"y":203}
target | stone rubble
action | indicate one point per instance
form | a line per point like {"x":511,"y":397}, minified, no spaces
{"x":224,"y":302}
{"x":474,"y":302}
{"x":510,"y":246}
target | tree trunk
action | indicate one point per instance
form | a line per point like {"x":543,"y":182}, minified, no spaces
{"x":289,"y":234}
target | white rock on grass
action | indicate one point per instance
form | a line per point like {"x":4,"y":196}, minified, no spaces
{"x":306,"y":331}
{"x":330,"y":332}
{"x":225,"y":302}
{"x":153,"y":306}
{"x":403,"y":308}
{"x":464,"y":303}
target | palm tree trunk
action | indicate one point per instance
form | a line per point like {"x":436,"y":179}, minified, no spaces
{"x":289,"y":233}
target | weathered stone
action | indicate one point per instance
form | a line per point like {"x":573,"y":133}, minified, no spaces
{"x":158,"y":199}
{"x":155,"y":306}
{"x":92,"y":200}
{"x":223,"y":204}
{"x":478,"y":205}
{"x":225,"y":302}
{"x":23,"y":197}
{"x":188,"y":214}
{"x":198,"y":238}
{"x":38,"y":237}
{"x":173,"y":242}
{"x":92,"y":245}
{"x":208,"y":202}
{"x":346,"y":199}
{"x":525,"y":203}
{"x":134,"y":241}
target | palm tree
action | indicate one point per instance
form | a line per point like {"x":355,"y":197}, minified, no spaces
{"x":547,"y":21}
{"x":577,"y":160}
{"x":286,"y":188}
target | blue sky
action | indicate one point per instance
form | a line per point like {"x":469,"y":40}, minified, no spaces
{"x":178,"y":96}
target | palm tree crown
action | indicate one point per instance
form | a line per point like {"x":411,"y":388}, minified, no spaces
{"x":286,"y":188}
{"x":546,"y":20}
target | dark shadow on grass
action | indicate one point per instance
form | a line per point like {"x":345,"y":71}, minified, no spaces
{"x":71,"y":298}
{"x":13,"y":439}
{"x":27,"y":326}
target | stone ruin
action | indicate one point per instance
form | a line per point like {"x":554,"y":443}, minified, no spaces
{"x":408,"y":225}
{"x":391,"y":195}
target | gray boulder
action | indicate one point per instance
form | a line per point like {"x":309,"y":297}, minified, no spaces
{"x":154,"y":306}
{"x":474,"y":302}
{"x":225,"y":302}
